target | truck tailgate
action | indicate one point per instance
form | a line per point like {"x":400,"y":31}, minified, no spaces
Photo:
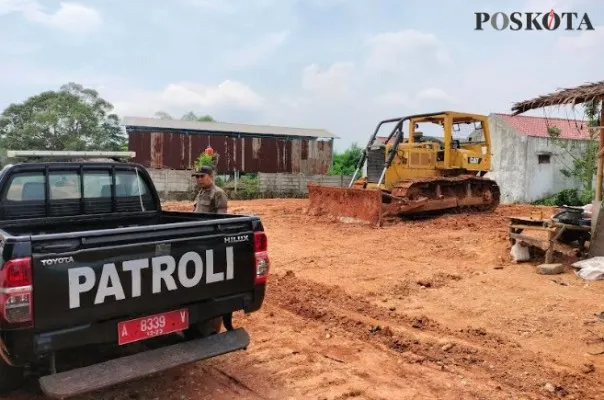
{"x":91,"y":277}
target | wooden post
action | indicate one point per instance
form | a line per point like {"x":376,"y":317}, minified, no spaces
{"x":600,"y":171}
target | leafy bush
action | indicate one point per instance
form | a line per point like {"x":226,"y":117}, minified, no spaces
{"x":247,"y":187}
{"x":588,"y":196}
{"x":568,"y":197}
{"x":345,"y":163}
{"x":220,"y":182}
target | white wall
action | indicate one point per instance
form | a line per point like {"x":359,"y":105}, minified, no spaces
{"x":516,"y":168}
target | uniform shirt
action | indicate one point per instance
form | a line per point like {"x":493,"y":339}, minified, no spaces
{"x":211,"y":200}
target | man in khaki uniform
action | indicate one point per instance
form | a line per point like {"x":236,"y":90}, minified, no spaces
{"x":211,"y":198}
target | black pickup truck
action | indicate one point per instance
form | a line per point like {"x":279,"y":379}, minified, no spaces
{"x":89,"y":260}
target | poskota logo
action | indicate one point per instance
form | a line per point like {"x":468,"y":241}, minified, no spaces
{"x":534,"y":21}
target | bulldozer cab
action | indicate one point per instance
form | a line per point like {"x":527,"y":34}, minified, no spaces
{"x":428,"y":145}
{"x":457,"y":140}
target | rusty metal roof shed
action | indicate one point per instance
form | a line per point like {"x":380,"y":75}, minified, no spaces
{"x":224,"y":128}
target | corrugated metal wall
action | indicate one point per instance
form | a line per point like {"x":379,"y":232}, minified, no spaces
{"x":176,"y":150}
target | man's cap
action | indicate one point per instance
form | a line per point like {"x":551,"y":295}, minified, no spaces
{"x":204,"y":170}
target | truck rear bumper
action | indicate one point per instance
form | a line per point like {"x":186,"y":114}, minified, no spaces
{"x":105,"y":332}
{"x":120,"y":370}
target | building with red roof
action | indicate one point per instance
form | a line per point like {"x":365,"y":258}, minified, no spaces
{"x":527,"y":161}
{"x":570,"y":129}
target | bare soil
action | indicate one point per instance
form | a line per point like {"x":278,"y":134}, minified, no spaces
{"x":428,"y":309}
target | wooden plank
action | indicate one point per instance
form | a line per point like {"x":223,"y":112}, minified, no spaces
{"x":529,"y":221}
{"x":572,"y":227}
{"x":540,"y":243}
{"x":532,"y":227}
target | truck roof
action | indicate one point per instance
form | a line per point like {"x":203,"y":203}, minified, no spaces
{"x":44,"y":156}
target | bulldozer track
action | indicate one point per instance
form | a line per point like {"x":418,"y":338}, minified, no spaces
{"x":455,"y":189}
{"x":419,"y":198}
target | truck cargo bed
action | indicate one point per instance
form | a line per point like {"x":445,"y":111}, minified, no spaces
{"x":90,"y":223}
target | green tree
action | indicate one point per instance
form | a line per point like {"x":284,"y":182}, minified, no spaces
{"x":163,"y":115}
{"x":190,"y":116}
{"x":345,"y":163}
{"x":72,"y":118}
{"x":584,"y":164}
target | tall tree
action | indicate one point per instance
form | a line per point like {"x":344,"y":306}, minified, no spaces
{"x":163,"y":115}
{"x":72,"y":118}
{"x":190,"y":116}
{"x":584,"y":162}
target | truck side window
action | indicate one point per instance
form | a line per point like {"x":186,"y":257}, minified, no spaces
{"x":64,"y":185}
{"x":26,"y":186}
{"x":97,"y":184}
{"x":127,"y":185}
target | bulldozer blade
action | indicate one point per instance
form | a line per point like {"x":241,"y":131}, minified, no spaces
{"x":346,"y":204}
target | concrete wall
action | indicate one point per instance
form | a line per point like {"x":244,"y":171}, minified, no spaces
{"x":297,"y":184}
{"x":173,"y":181}
{"x":516,"y":168}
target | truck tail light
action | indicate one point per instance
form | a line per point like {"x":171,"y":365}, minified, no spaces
{"x":262,"y":259}
{"x":16,"y":297}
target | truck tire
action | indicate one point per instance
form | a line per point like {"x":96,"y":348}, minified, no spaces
{"x":204,"y":329}
{"x":11,"y":378}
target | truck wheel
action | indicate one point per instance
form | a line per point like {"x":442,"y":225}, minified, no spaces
{"x":11,"y":378}
{"x":204,"y":329}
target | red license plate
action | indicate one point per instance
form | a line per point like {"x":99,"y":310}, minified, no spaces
{"x":152,"y":326}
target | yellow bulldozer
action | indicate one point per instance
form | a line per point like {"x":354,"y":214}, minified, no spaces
{"x":416,"y":174}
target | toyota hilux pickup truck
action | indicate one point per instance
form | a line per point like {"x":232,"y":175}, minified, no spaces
{"x":90,"y":260}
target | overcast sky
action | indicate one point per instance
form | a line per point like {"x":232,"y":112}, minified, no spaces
{"x":341,"y":65}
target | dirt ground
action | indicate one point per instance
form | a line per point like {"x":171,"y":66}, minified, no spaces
{"x":429,"y":309}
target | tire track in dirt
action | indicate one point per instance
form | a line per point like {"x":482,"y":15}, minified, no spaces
{"x":311,"y":360}
{"x":486,"y":355}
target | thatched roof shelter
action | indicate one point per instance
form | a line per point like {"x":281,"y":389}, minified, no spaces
{"x":578,"y":95}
